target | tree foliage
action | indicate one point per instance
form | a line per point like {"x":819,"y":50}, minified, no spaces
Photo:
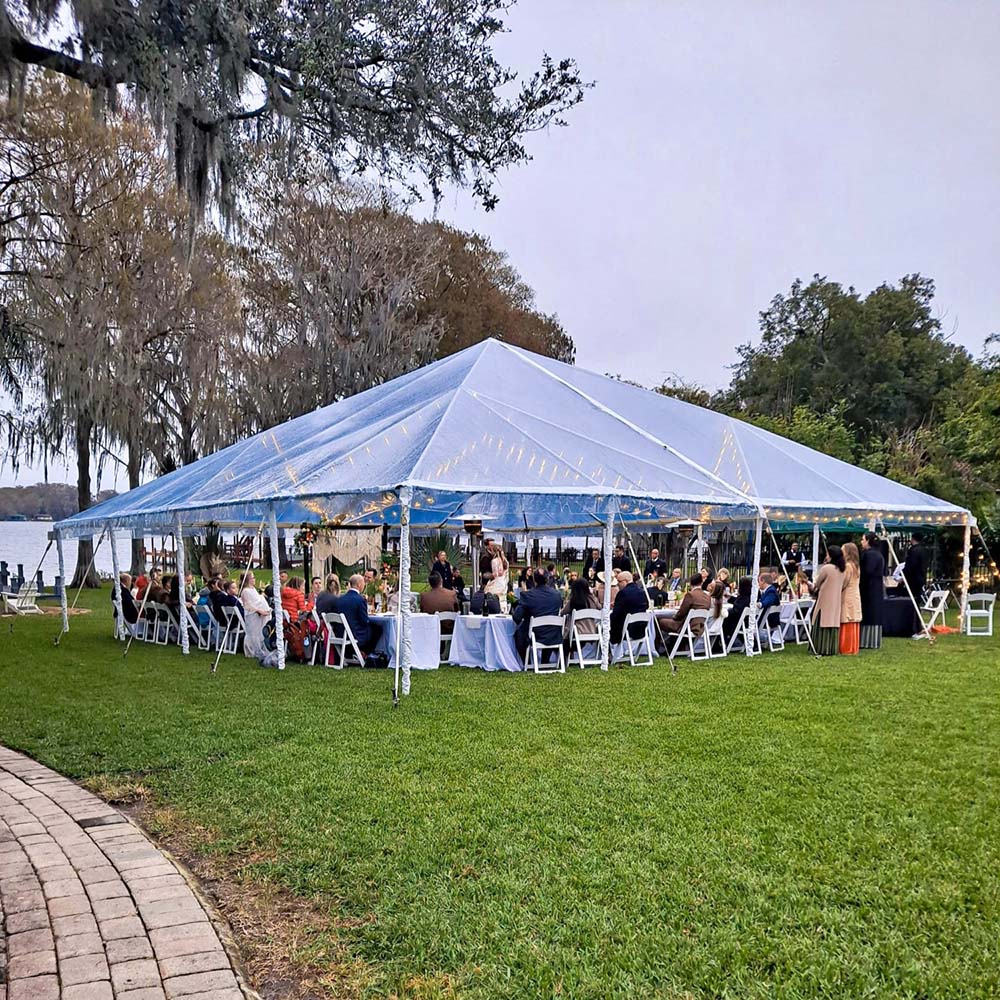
{"x":406,"y":88}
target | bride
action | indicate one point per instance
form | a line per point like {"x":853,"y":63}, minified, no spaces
{"x":500,"y":583}
{"x":256,"y":611}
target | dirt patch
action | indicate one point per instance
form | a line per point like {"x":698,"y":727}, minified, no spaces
{"x":290,"y":947}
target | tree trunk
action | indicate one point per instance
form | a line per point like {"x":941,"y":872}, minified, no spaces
{"x":85,"y":546}
{"x":138,"y":564}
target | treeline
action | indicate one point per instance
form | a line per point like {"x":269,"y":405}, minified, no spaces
{"x":55,"y":500}
{"x":873,"y":380}
{"x":135,"y":330}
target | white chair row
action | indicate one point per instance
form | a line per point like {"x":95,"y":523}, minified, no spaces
{"x":978,"y":611}
{"x":585,"y":642}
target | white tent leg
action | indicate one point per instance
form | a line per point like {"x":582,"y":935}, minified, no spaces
{"x":609,"y":541}
{"x":700,"y":547}
{"x":751,"y":640}
{"x":816,"y":561}
{"x":279,"y":618}
{"x":404,"y":654}
{"x":182,"y":612}
{"x":966,"y":547}
{"x":116,"y":585}
{"x":65,"y":584}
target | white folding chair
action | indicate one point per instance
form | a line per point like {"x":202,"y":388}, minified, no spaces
{"x":696,"y":649}
{"x":578,"y":640}
{"x":321,"y":634}
{"x":446,"y":637}
{"x":24,"y":602}
{"x":535,"y":647}
{"x":800,"y":622}
{"x":202,"y":633}
{"x":344,"y":643}
{"x":637,"y":645}
{"x":231,"y":637}
{"x":161,"y":623}
{"x":745,"y":634}
{"x":775,"y":637}
{"x":937,"y":605}
{"x":979,"y":614}
{"x":714,"y":636}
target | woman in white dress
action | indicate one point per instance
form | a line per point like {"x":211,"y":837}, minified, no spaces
{"x":500,"y":583}
{"x":256,"y":611}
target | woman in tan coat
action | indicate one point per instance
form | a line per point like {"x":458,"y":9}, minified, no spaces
{"x":828,"y":588}
{"x":850,"y":602}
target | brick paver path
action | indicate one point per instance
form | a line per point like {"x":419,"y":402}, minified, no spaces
{"x":90,"y":909}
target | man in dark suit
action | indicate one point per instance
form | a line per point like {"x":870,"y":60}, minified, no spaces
{"x":483,"y":603}
{"x":915,"y":574}
{"x":631,"y":599}
{"x":594,"y":560}
{"x":443,"y":569}
{"x":538,"y":602}
{"x":620,"y":561}
{"x":769,"y":599}
{"x":353,"y":606}
{"x":655,"y":566}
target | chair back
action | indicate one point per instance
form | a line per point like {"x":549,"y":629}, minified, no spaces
{"x":936,"y":600}
{"x":637,"y":618}
{"x":447,"y":616}
{"x":983,"y":602}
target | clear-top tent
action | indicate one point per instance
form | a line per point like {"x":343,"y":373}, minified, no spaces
{"x":526,"y":443}
{"x":521,"y":442}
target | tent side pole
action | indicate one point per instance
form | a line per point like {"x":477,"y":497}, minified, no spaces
{"x":750,"y":642}
{"x":966,"y":547}
{"x":405,"y":643}
{"x":404,"y":528}
{"x":701,"y":547}
{"x":116,"y":589}
{"x":609,"y":542}
{"x":182,"y":611}
{"x":815,"y":550}
{"x":62,"y":576}
{"x":279,"y":618}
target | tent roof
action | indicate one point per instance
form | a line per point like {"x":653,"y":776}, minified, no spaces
{"x":519,"y":439}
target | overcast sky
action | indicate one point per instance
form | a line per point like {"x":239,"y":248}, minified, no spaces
{"x":728,"y":148}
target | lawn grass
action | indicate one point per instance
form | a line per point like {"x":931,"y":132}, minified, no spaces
{"x":778,"y":827}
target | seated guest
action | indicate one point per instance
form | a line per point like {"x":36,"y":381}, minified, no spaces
{"x":524,"y":580}
{"x":314,"y":591}
{"x":723,"y":577}
{"x":631,"y":599}
{"x":228,"y":599}
{"x":143,"y":583}
{"x":156,"y":592}
{"x":769,"y":598}
{"x":483,"y":602}
{"x":550,"y":575}
{"x":675,"y":583}
{"x":326,"y":600}
{"x":706,"y":578}
{"x":444,"y":570}
{"x":215,"y":595}
{"x":353,"y":606}
{"x":538,"y":602}
{"x":696,"y":599}
{"x":292,"y":599}
{"x":620,"y":561}
{"x":581,"y":598}
{"x":438,"y":598}
{"x":801,"y":584}
{"x":190,"y":591}
{"x":130,"y":611}
{"x":599,"y":589}
{"x":737,"y":606}
{"x":655,"y":566}
{"x":594,"y":561}
{"x":458,"y":584}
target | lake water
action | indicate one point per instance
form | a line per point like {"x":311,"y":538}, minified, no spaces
{"x":25,"y":541}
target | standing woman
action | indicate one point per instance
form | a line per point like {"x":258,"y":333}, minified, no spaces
{"x":500,"y":569}
{"x":872,"y":591}
{"x":850,"y":603}
{"x":828,"y":588}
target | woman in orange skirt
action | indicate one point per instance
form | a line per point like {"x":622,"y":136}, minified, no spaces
{"x":850,"y":603}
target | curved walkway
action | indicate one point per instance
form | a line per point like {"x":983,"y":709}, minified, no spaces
{"x":90,"y":908}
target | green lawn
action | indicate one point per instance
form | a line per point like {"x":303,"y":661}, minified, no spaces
{"x":780,"y":827}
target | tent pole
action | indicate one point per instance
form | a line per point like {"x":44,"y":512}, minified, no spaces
{"x":701,"y":547}
{"x":751,"y":640}
{"x":182,"y":611}
{"x":62,"y":576}
{"x":609,"y":542}
{"x":116,"y":589}
{"x":815,"y":550}
{"x":404,"y":644}
{"x":279,"y":618}
{"x":966,"y":547}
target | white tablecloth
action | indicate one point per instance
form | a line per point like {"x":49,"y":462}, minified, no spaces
{"x":487,"y":643}
{"x":426,"y":633}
